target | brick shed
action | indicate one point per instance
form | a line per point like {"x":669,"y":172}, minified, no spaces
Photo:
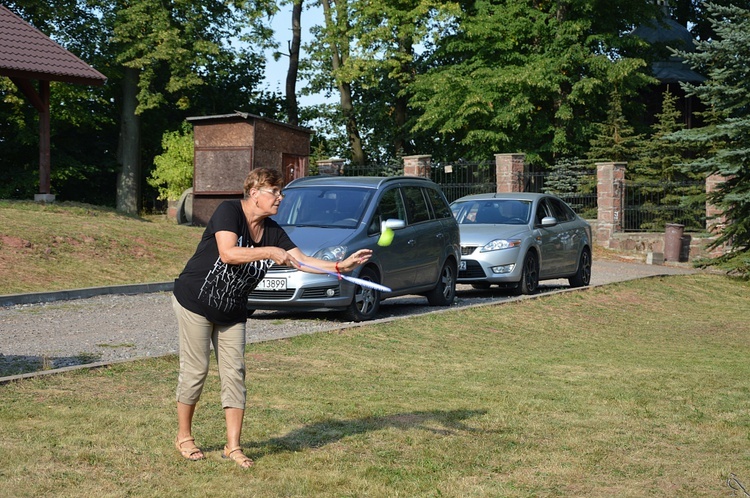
{"x":227,"y":147}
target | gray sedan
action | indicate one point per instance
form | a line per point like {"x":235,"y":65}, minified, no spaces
{"x":515,"y":240}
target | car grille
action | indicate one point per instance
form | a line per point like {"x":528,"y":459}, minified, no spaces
{"x":275,"y":268}
{"x":473,"y":270}
{"x":272,"y":295}
{"x":312,"y":293}
{"x":466,"y":250}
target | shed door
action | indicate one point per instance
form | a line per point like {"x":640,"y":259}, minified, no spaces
{"x":294,"y":167}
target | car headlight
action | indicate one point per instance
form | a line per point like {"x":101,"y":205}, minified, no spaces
{"x":333,"y":253}
{"x":499,"y":244}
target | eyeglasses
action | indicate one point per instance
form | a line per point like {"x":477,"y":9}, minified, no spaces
{"x":274,"y":192}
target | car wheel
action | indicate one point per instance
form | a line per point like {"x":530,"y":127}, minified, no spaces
{"x":529,"y":283}
{"x":445,"y":291}
{"x":366,"y":302}
{"x":250,"y":312}
{"x":582,"y":277}
{"x":480,"y":286}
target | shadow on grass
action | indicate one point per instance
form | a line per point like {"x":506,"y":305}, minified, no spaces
{"x":444,"y":423}
{"x":22,"y":364}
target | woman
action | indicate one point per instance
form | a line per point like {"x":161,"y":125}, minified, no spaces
{"x":210,"y":301}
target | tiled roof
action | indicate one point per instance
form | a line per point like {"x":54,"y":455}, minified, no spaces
{"x":26,"y":52}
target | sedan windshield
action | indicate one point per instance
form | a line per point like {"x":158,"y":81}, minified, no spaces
{"x":323,"y":207}
{"x":492,"y":212}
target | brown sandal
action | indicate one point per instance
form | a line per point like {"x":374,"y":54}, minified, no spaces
{"x":189,"y":453}
{"x":238,"y":457}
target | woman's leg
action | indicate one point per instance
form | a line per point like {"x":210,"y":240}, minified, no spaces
{"x":195,"y":350}
{"x":229,"y":344}
{"x":185,"y":442}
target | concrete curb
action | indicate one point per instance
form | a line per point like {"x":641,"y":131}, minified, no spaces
{"x":85,"y":293}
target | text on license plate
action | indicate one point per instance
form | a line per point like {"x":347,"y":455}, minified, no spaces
{"x":462,"y":266}
{"x":273,"y":284}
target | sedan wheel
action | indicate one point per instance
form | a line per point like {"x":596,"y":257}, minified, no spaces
{"x":582,"y":277}
{"x":529,"y":283}
{"x":366,"y":302}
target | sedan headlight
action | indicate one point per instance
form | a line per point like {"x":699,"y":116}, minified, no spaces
{"x":499,"y":244}
{"x":333,"y":253}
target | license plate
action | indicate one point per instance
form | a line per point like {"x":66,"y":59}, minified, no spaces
{"x":462,"y":266}
{"x":272,"y":284}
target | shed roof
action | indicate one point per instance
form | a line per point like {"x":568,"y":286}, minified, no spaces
{"x":238,"y":115}
{"x":28,"y":53}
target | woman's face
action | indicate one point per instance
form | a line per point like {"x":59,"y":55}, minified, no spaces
{"x":268,"y":198}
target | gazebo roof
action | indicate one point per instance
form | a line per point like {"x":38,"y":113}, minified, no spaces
{"x":666,"y":32}
{"x":29,"y":54}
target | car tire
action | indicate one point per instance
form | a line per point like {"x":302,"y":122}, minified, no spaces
{"x":582,"y":277}
{"x":529,"y":283}
{"x":250,"y":312}
{"x":366,"y":302}
{"x":444,"y":292}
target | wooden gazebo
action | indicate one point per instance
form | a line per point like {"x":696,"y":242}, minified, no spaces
{"x":28,"y":55}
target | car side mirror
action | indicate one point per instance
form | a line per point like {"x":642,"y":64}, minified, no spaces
{"x":549,"y":221}
{"x":393,"y":224}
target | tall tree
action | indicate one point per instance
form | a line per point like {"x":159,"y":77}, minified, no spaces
{"x":513,"y":75}
{"x":369,"y":52}
{"x":172,"y":39}
{"x":335,"y":44}
{"x":726,"y":93}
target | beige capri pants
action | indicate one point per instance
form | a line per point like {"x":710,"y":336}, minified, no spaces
{"x":197,"y":334}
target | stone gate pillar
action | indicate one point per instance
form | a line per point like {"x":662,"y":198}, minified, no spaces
{"x":610,"y":190}
{"x":418,"y":165}
{"x":510,"y":169}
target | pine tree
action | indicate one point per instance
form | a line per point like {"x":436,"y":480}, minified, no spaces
{"x":615,"y":139}
{"x":668,"y":194}
{"x":726,"y":93}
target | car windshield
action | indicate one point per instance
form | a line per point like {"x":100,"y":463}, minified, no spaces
{"x":337,"y":207}
{"x":492,"y":212}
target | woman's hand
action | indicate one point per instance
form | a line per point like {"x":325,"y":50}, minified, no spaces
{"x":282,"y":257}
{"x":358,"y":258}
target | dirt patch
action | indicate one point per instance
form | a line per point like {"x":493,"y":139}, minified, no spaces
{"x":14,"y":242}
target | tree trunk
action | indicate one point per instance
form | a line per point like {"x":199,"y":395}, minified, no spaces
{"x":400,"y":111}
{"x":338,"y":57}
{"x":129,"y":148}
{"x":352,"y":131}
{"x":291,"y":75}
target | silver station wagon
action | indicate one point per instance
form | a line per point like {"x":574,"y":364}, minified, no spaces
{"x":329,"y":217}
{"x":515,"y":240}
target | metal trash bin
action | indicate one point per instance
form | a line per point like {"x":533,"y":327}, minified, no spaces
{"x":673,"y":241}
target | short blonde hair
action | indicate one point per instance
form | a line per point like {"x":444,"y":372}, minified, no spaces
{"x":263,"y":177}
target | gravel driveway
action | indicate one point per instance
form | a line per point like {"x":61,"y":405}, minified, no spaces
{"x":116,"y":327}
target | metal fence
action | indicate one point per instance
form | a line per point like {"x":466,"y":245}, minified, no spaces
{"x":463,"y":178}
{"x":455,"y":179}
{"x":373,"y":170}
{"x":577,"y":189}
{"x":650,"y":206}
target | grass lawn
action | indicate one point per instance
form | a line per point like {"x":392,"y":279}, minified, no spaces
{"x":629,"y":390}
{"x":59,"y":246}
